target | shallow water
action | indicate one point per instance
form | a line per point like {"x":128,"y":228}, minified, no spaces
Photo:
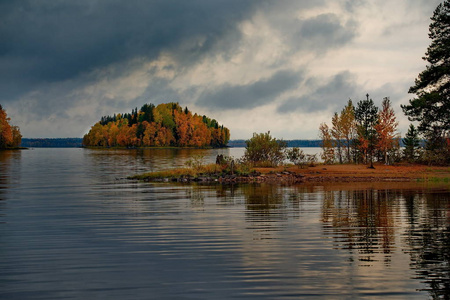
{"x":71,"y":227}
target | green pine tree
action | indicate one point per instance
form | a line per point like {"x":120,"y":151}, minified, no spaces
{"x":412,"y":143}
{"x":431,"y":108}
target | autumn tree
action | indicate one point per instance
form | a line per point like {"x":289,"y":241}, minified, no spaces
{"x":348,"y":128}
{"x":338,"y":136}
{"x":10,"y":136}
{"x":386,"y":127}
{"x":327,"y":143}
{"x":431,"y":108}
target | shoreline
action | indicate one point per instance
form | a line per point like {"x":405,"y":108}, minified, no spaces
{"x":346,"y":173}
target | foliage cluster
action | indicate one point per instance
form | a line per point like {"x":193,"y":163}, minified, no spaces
{"x":161,"y":126}
{"x":263,"y":150}
{"x":10,"y":136}
{"x":361,"y":133}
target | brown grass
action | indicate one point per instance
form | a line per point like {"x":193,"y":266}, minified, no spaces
{"x":406,"y":171}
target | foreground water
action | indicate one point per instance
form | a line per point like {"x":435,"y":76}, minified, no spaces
{"x":72,"y":228}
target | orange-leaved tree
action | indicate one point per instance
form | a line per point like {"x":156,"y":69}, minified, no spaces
{"x":386,"y":128}
{"x":10,"y":136}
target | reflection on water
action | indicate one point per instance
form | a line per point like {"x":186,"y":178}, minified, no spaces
{"x":428,"y":236}
{"x":372,"y":225}
{"x":71,"y":227}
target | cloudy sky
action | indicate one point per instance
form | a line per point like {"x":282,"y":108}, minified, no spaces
{"x":280,"y":65}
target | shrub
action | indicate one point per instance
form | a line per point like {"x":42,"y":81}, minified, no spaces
{"x":263,"y":149}
{"x":196,"y":162}
{"x":296,"y":156}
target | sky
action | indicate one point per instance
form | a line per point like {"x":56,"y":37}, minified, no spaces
{"x":255,"y":66}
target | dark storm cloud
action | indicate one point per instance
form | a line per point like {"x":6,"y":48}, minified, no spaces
{"x":325,"y":96}
{"x":325,"y":31}
{"x":250,"y":95}
{"x":51,"y":41}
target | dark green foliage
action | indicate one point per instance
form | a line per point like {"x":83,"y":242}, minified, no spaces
{"x":211,"y":123}
{"x":412,"y":143}
{"x":431,"y":108}
{"x":147,"y":113}
{"x":106,"y":119}
{"x":366,"y":116}
{"x":140,"y":130}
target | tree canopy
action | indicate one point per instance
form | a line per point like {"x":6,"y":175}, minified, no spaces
{"x":361,"y":133}
{"x":167,"y":124}
{"x":431,"y":108}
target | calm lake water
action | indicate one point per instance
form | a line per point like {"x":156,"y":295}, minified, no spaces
{"x":71,"y":227}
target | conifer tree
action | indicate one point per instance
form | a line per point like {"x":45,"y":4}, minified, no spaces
{"x":411,"y":142}
{"x":431,"y":108}
{"x":366,"y":116}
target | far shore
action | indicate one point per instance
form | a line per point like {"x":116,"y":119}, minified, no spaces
{"x":319,"y":173}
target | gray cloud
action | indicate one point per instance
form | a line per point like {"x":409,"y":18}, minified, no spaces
{"x":325,"y":96}
{"x":48,"y":41}
{"x":66,"y":63}
{"x":251,"y":95}
{"x":325,"y":31}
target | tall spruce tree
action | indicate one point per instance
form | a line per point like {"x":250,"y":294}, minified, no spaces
{"x":412,"y":143}
{"x":431,"y":108}
{"x":366,"y":116}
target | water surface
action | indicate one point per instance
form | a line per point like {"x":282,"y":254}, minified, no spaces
{"x":71,"y":227}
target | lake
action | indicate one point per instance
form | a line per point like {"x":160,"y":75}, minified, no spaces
{"x":72,"y":227}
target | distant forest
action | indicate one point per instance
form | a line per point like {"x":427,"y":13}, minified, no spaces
{"x":52,"y":143}
{"x":77,"y":142}
{"x":165,"y":125}
{"x":290,"y":143}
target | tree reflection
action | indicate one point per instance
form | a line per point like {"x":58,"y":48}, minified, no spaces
{"x":374,"y":225}
{"x":5,"y":174}
{"x":428,"y":235}
{"x":364,"y":221}
{"x":367,"y":221}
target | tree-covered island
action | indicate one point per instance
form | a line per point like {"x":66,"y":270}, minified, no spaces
{"x":165,"y":125}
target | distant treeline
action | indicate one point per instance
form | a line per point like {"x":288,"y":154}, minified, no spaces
{"x":290,"y":143}
{"x":52,"y":143}
{"x":77,"y":142}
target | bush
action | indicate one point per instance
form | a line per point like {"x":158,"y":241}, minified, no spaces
{"x":296,"y":156}
{"x":436,"y":157}
{"x":311,"y":159}
{"x":262,"y":149}
{"x":196,"y":162}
